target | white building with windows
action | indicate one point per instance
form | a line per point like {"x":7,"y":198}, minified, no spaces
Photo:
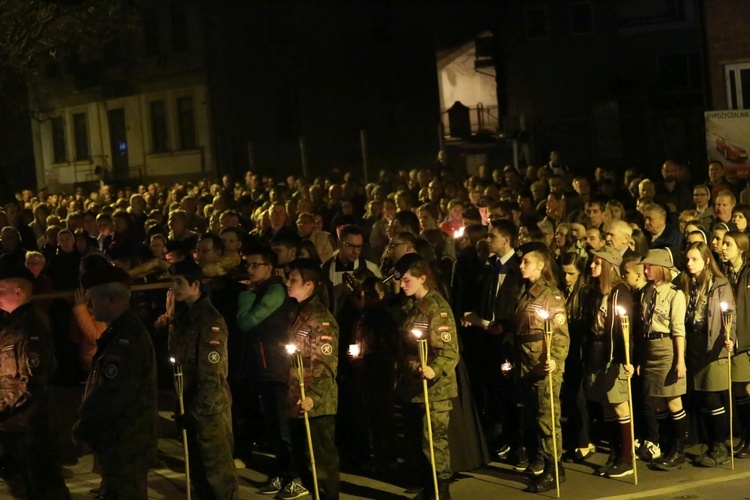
{"x":138,"y":108}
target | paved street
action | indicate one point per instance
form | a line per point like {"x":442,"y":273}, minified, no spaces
{"x":495,"y":481}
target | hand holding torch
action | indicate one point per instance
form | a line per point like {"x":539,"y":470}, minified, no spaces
{"x":422,"y":345}
{"x":179,"y":388}
{"x":544,"y":315}
{"x":727,"y":316}
{"x":625,"y":326}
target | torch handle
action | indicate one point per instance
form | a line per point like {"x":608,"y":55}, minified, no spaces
{"x":422,"y":343}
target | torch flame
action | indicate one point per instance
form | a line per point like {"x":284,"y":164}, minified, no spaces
{"x":542,"y":314}
{"x":458,"y":233}
{"x":172,"y":360}
{"x":291,"y":348}
{"x":354,"y":350}
{"x":724,"y":306}
{"x":621,"y":311}
{"x":417,"y":333}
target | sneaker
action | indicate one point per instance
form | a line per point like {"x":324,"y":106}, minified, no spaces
{"x":602,"y":470}
{"x":293,"y":489}
{"x":620,"y":468}
{"x":272,"y":487}
{"x":535,"y":468}
{"x":579,"y":454}
{"x":648,"y":451}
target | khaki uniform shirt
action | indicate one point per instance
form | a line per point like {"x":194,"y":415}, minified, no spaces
{"x":531,"y":346}
{"x":668,"y":312}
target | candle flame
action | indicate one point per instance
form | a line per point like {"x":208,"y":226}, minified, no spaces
{"x":621,"y":311}
{"x":172,"y":360}
{"x":417,"y":333}
{"x":724,"y":306}
{"x":458,"y":233}
{"x":291,"y":348}
{"x":354,"y":350}
{"x":542,"y":314}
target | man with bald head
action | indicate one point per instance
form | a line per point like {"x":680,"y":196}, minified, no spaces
{"x":670,"y":191}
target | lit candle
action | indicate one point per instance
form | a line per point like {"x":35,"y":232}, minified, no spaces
{"x":354,"y":350}
{"x":172,"y":360}
{"x":547,"y":320}
{"x":291,"y":348}
{"x":625,"y":324}
{"x":458,"y":233}
{"x":417,"y":333}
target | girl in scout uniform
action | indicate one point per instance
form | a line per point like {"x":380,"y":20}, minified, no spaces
{"x":663,"y":361}
{"x":534,"y":359}
{"x":607,"y":374}
{"x":315,"y":334}
{"x":429,"y":314}
{"x":706,"y":289}
{"x":734,"y":251}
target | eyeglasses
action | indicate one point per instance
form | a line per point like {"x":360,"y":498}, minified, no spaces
{"x":352,"y":247}
{"x":394,"y":245}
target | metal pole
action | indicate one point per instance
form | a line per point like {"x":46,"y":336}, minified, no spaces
{"x":179,"y":388}
{"x":303,"y":155}
{"x":422,"y":343}
{"x":363,"y":145}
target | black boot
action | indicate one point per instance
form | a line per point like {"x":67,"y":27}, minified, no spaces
{"x":546,"y":481}
{"x":675,"y":459}
{"x":444,"y":489}
{"x":743,"y":448}
{"x":717,"y":455}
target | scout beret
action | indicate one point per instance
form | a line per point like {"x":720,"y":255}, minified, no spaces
{"x":659,"y":257}
{"x":531,"y":246}
{"x":610,"y":255}
{"x":104,"y":276}
{"x":188,"y":269}
{"x":404,"y":263}
{"x":16,"y":271}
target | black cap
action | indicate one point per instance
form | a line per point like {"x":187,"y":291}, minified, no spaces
{"x":15,"y":271}
{"x":188,"y":269}
{"x":404,"y":263}
{"x":531,"y":246}
{"x":471,"y":212}
{"x":104,"y":276}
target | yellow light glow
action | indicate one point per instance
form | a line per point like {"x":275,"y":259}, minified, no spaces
{"x":291,"y":348}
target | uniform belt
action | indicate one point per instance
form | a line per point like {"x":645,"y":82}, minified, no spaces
{"x":656,"y":335}
{"x":530,"y":337}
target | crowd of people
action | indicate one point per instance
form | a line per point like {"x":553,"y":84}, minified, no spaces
{"x":539,"y":293}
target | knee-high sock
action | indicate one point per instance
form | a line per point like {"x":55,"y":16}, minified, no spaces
{"x":613,"y":434}
{"x":679,"y":424}
{"x":664,"y":434}
{"x":742,"y":404}
{"x":626,"y":439}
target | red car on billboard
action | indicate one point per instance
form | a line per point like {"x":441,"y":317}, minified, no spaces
{"x":731,"y":150}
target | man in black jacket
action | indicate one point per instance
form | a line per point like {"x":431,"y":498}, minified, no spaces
{"x":488,"y":337}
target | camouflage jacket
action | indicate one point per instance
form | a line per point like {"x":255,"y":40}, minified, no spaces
{"x":199,"y":345}
{"x":27,"y":361}
{"x":315,"y":333}
{"x":432,"y":315}
{"x":118,"y":415}
{"x":531,"y":350}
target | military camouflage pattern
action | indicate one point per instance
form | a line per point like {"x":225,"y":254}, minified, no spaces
{"x":531,"y":354}
{"x":118,"y":415}
{"x":199,"y":344}
{"x":433,"y":316}
{"x":440,"y":412}
{"x":315,"y":333}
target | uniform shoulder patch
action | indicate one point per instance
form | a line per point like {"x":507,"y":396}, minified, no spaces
{"x":214,"y":357}
{"x":443,"y":314}
{"x":32,"y":361}
{"x":560,"y":318}
{"x":326,"y":349}
{"x":325,"y":324}
{"x":326,"y":337}
{"x":215,"y":342}
{"x":123,"y":341}
{"x":444,"y":328}
{"x":445,"y":337}
{"x":558,"y":297}
{"x":215,"y":329}
{"x":110,"y":371}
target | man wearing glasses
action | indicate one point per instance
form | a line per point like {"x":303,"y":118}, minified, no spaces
{"x":263,"y":316}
